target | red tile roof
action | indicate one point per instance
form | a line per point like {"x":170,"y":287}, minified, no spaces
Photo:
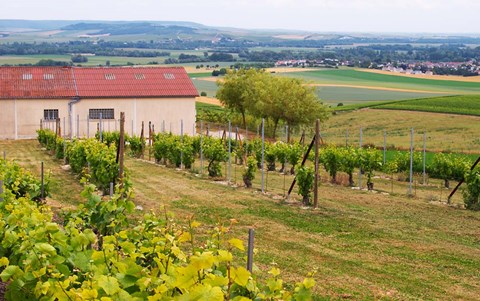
{"x":133,"y":82}
{"x":98,"y":82}
{"x":36,"y":82}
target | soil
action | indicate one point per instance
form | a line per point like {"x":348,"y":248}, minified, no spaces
{"x":3,"y":287}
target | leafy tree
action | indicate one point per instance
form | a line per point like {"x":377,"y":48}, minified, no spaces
{"x":232,"y":90}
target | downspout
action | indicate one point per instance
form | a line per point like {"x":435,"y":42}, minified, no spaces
{"x":73,"y":101}
{"x":16,"y":119}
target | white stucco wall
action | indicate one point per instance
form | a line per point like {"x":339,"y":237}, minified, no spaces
{"x":29,"y":112}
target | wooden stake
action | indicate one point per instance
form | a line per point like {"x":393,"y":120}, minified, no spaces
{"x":121,"y":147}
{"x":315,"y":186}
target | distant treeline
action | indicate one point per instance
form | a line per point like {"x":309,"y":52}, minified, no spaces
{"x":240,"y":51}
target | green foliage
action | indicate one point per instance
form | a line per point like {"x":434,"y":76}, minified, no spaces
{"x":449,"y":167}
{"x":370,"y":159}
{"x":214,"y":151}
{"x":305,"y":177}
{"x":21,"y":183}
{"x":97,"y":160}
{"x":281,"y":150}
{"x":137,"y":146}
{"x":175,"y":149}
{"x":401,"y":162}
{"x":348,"y":162}
{"x":331,"y":158}
{"x":60,"y":148}
{"x":249,"y":172}
{"x":294,"y":155}
{"x":97,"y":255}
{"x":270,"y":156}
{"x":471,"y":194}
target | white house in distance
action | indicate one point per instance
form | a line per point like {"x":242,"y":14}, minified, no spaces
{"x":78,"y":96}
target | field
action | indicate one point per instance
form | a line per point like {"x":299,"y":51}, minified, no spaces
{"x":464,"y":104}
{"x":365,"y":246}
{"x":361,"y":78}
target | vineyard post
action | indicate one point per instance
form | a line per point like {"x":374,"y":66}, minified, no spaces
{"x":100,"y":130}
{"x":163,"y":126}
{"x":208,"y":130}
{"x":315,"y":186}
{"x":411,"y":163}
{"x":121,"y":146}
{"x":142,"y":138}
{"x":201,"y":147}
{"x":4,"y":156}
{"x":41,"y":124}
{"x":346,"y":138}
{"x":149,"y":140}
{"x":1,"y":191}
{"x":229,"y":173}
{"x":258,"y":129}
{"x":88,"y":126}
{"x":263,"y":154}
{"x":108,"y":123}
{"x":236,"y":145}
{"x":115,"y":123}
{"x":111,"y":189}
{"x":59,"y":128}
{"x":132,"y":125}
{"x":286,"y":134}
{"x":251,"y":234}
{"x":424,"y":155}
{"x":42,"y":188}
{"x":181,"y":141}
{"x":360,"y":170}
{"x":78,"y":126}
{"x":384,"y":146}
{"x":170,"y":127}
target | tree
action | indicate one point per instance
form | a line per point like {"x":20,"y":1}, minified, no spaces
{"x":232,"y":91}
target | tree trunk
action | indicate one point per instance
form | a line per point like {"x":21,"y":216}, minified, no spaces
{"x":306,"y":200}
{"x":350,"y":180}
{"x":447,"y":183}
{"x":275,"y":124}
{"x":247,"y":181}
{"x":244,"y":119}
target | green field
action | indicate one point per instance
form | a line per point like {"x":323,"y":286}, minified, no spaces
{"x":350,"y":96}
{"x":464,"y":105}
{"x":355,"y":77}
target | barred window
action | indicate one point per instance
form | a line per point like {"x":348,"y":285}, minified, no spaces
{"x":106,"y":113}
{"x":50,"y":114}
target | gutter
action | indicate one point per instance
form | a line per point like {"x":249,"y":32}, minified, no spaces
{"x":73,"y":101}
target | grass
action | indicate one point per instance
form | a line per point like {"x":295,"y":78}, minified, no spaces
{"x":459,"y":104}
{"x":366,"y":246}
{"x":445,"y":132}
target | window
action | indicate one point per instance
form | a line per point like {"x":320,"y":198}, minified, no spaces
{"x":47,"y":76}
{"x":139,"y":76}
{"x":106,"y":113}
{"x":110,"y":76}
{"x":27,"y":76}
{"x":50,"y":114}
{"x":169,"y":76}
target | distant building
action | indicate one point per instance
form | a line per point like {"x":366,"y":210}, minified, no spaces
{"x":78,"y":96}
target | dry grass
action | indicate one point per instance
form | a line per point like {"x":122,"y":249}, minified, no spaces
{"x":367,"y":246}
{"x":444,"y":132}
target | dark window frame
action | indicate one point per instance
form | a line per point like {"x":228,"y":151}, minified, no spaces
{"x":106,"y":113}
{"x":50,"y":114}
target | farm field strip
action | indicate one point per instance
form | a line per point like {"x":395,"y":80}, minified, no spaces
{"x":360,"y":78}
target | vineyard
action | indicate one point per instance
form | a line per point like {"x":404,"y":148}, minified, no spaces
{"x":96,"y":252}
{"x":343,"y":215}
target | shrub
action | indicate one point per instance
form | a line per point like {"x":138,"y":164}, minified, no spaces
{"x":471,"y":194}
{"x":305,"y":177}
{"x":250,"y":170}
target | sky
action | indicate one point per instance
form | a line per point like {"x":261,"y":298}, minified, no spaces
{"x":387,"y":16}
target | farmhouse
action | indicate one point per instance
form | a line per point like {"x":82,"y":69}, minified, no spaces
{"x":80,"y":97}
